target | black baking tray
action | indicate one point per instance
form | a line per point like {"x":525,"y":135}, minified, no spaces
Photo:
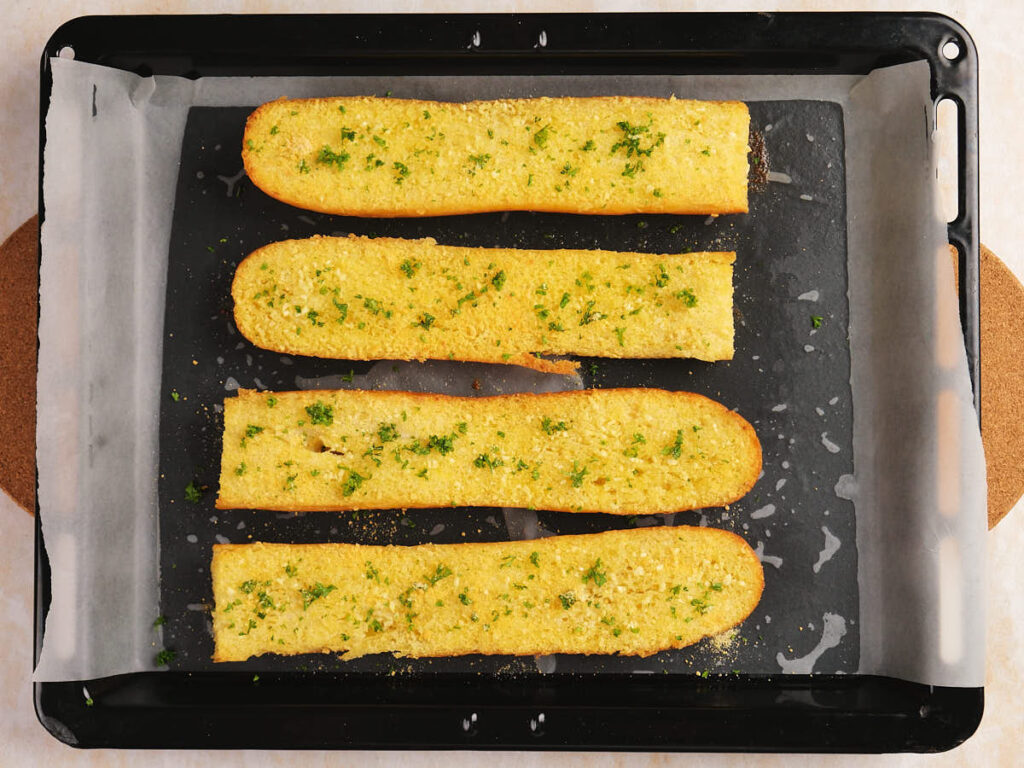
{"x":791,"y":380}
{"x":292,"y":706}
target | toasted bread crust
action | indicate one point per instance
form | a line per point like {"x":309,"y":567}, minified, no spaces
{"x":386,"y":298}
{"x":585,"y":594}
{"x":619,"y":451}
{"x":405,"y":157}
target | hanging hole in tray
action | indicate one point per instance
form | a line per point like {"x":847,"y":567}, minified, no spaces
{"x":67,"y":52}
{"x":950,"y":50}
{"x":946,"y":137}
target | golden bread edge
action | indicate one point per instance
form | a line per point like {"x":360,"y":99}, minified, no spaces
{"x":654,"y":207}
{"x":526,"y":360}
{"x":745,"y":426}
{"x":744,"y":547}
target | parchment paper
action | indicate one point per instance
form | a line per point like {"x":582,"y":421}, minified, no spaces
{"x":110,"y":168}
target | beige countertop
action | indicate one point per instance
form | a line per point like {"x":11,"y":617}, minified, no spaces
{"x":995,"y":27}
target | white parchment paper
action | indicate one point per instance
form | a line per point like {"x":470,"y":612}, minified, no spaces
{"x":110,"y":167}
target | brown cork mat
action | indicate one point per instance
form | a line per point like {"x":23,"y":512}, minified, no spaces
{"x":1002,"y":373}
{"x":19,"y":286}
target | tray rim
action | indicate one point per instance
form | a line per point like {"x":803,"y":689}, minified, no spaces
{"x":132,"y":710}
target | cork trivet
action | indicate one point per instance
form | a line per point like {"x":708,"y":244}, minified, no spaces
{"x":1002,"y":384}
{"x":1002,"y":373}
{"x":19,"y":274}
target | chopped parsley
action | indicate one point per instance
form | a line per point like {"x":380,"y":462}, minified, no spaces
{"x":375,"y":307}
{"x":687,"y":296}
{"x":426,"y":320}
{"x":342,"y":308}
{"x":568,"y":599}
{"x":401,"y":171}
{"x":320,"y":413}
{"x":633,"y":450}
{"x":193,"y":492}
{"x":387,"y":432}
{"x":577,"y":474}
{"x":314,"y":593}
{"x":589,"y":315}
{"x":176,"y":397}
{"x":700,"y":605}
{"x":632,"y":135}
{"x":328,"y":156}
{"x":498,"y":281}
{"x":443,"y":444}
{"x":410,"y":267}
{"x":165,"y":657}
{"x":674,"y":449}
{"x":815,"y":322}
{"x":441,"y":572}
{"x":540,"y":138}
{"x":595,"y":574}
{"x":488,"y":461}
{"x":535,"y":559}
{"x":549,"y":427}
{"x":352,"y":483}
{"x":590,"y":146}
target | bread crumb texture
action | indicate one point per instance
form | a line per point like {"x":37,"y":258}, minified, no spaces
{"x":369,"y":156}
{"x":631,"y":592}
{"x":365,"y":299}
{"x":621,"y":451}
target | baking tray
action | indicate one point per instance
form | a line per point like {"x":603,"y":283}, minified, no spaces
{"x":481,"y":702}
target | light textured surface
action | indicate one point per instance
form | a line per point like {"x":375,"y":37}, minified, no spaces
{"x":632,"y":592}
{"x":997,"y":743}
{"x":405,"y":157}
{"x":359,"y":298}
{"x":621,"y":451}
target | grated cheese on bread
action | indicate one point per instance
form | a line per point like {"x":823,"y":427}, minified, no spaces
{"x":385,"y":298}
{"x":629,"y":592}
{"x":621,"y":451}
{"x":366,"y":156}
